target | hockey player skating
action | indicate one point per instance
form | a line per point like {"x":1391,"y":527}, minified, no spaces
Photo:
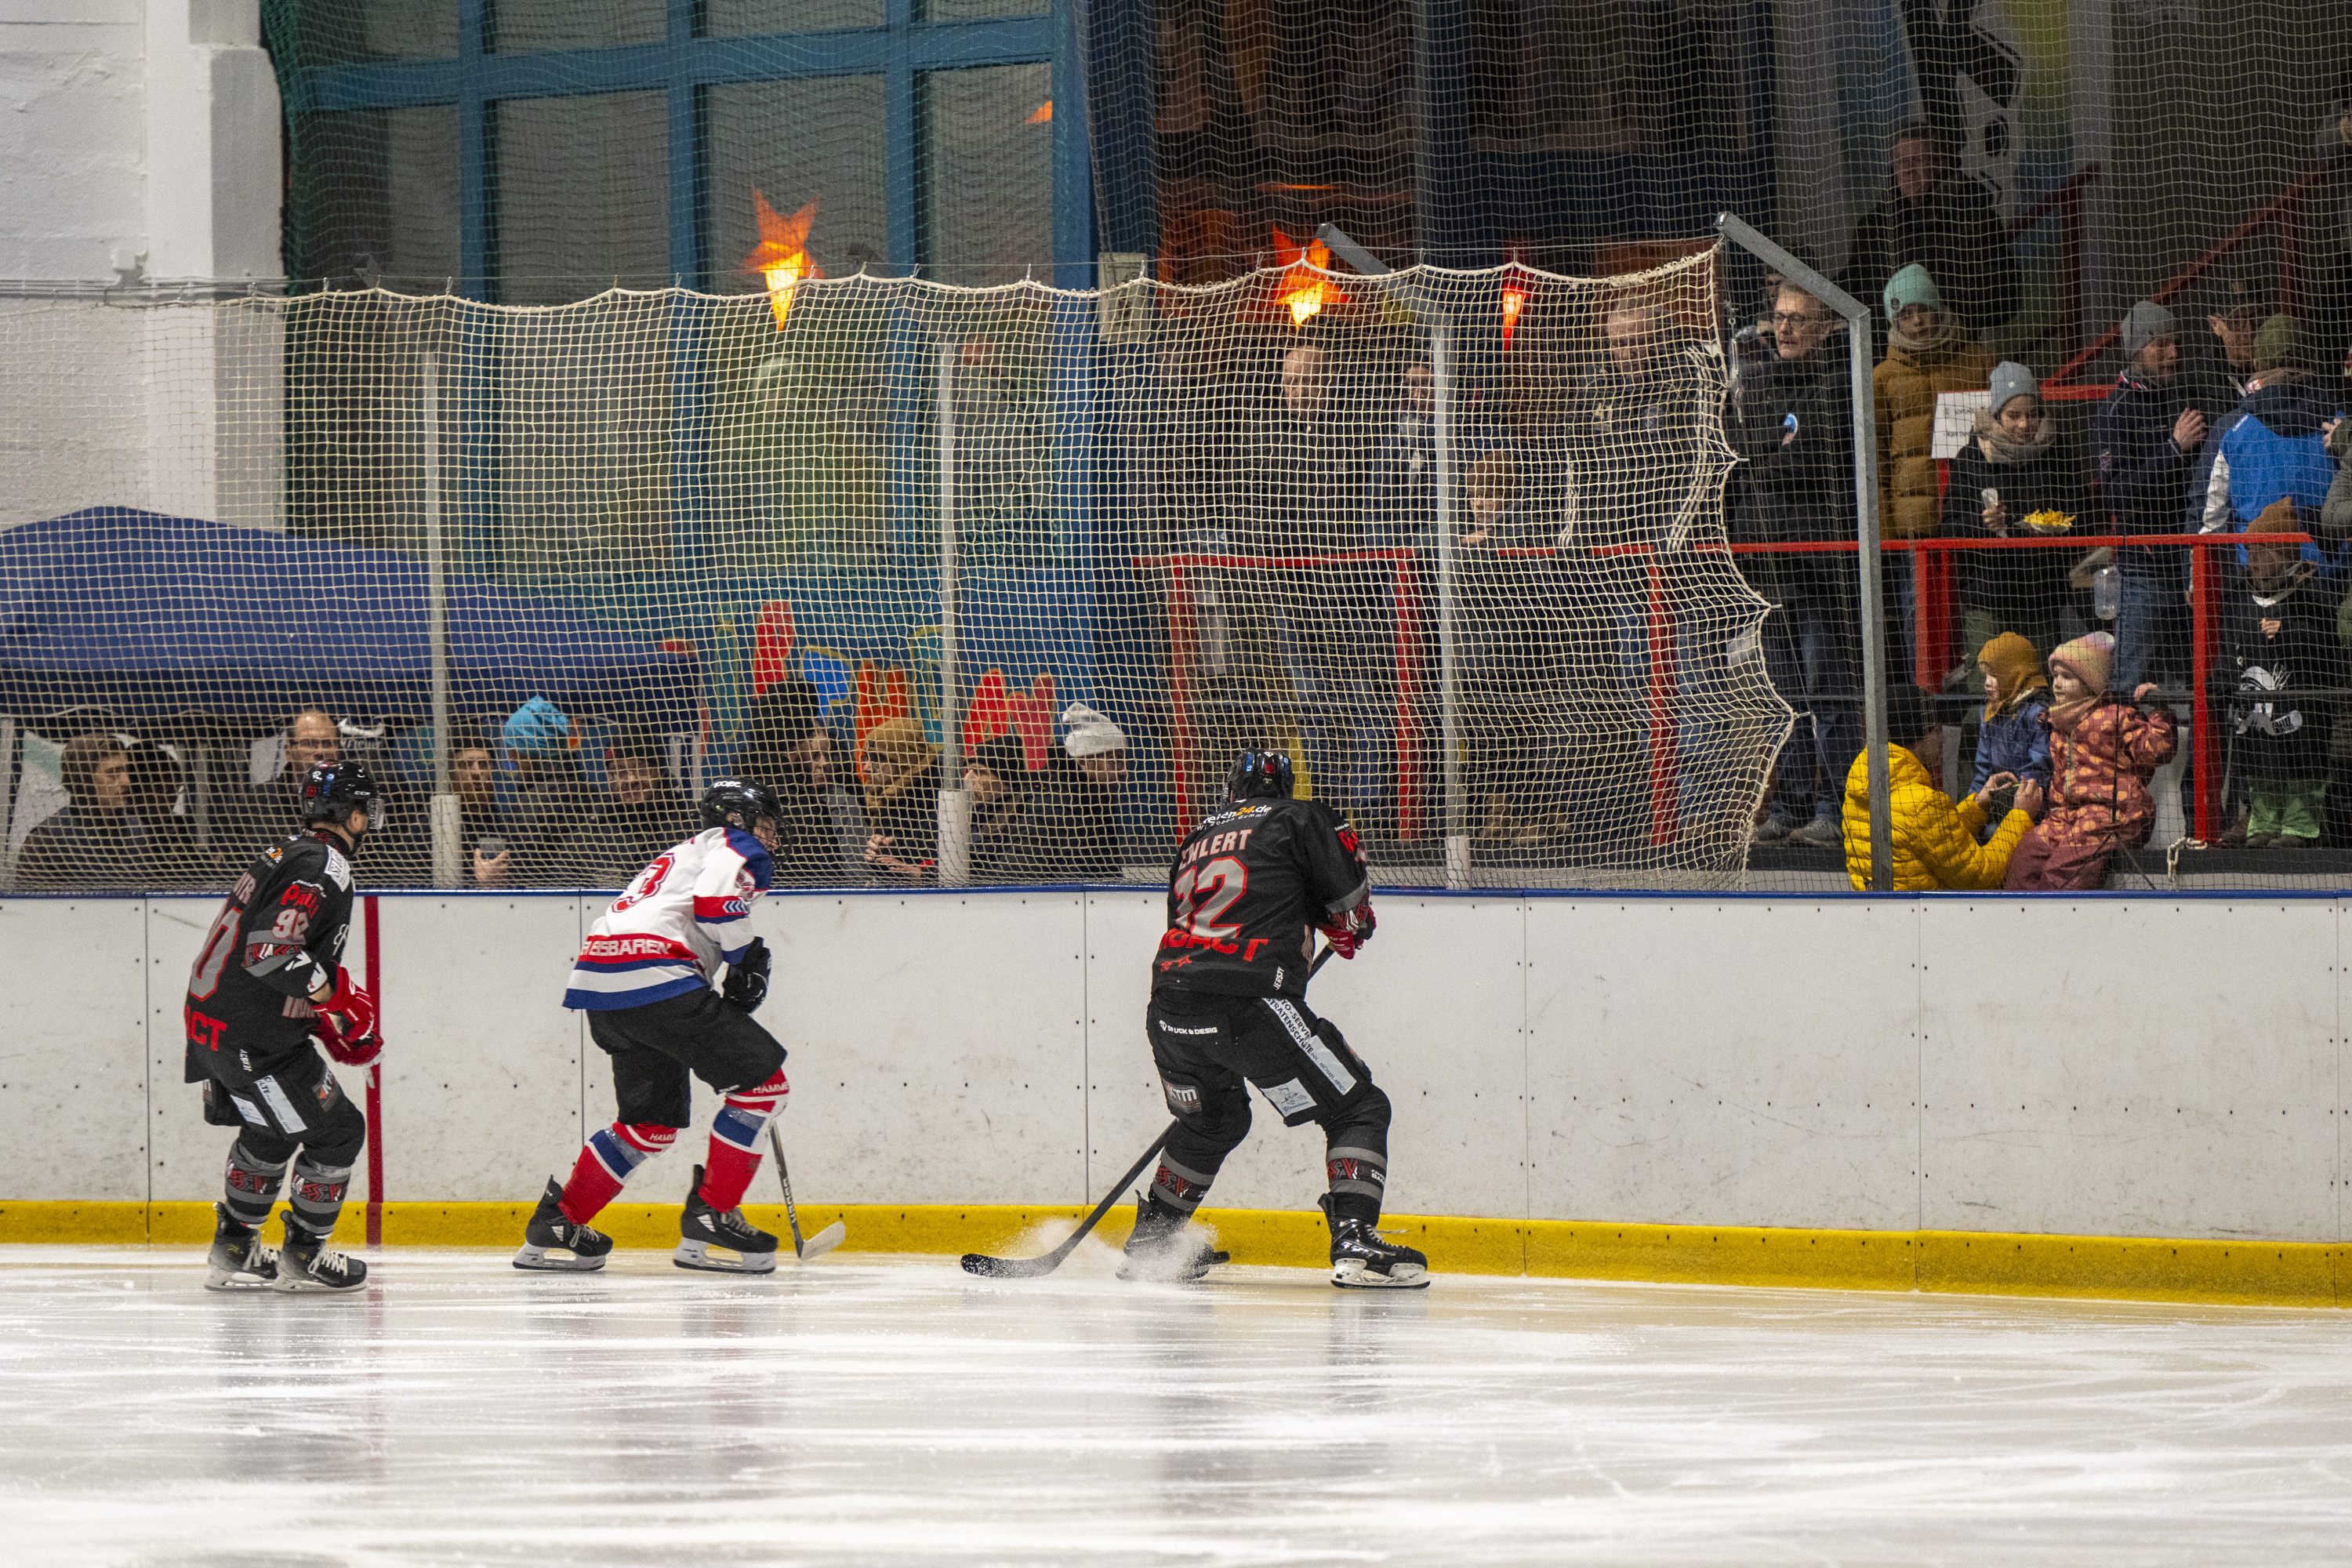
{"x":1252,"y":885}
{"x":268,"y":979}
{"x":644,"y":979}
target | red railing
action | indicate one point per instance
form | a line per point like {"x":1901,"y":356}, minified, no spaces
{"x":2283,"y":211}
{"x":1931,"y":636}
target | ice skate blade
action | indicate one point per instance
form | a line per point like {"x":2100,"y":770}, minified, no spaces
{"x":555,"y":1261}
{"x":304,"y":1286}
{"x":824,"y":1241}
{"x":700,"y":1257}
{"x":237,"y":1281}
{"x":1352,"y":1275}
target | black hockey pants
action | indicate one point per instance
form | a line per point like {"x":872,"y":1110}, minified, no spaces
{"x":1207,"y":1048}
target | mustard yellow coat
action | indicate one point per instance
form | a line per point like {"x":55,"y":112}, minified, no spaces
{"x":1936,"y":846}
{"x":1907,"y":383}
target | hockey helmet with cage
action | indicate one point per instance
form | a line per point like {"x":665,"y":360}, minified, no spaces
{"x":1263,"y":771}
{"x":332,"y":791}
{"x":738,"y":803}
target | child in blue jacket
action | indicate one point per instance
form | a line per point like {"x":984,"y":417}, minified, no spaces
{"x":2013,"y":737}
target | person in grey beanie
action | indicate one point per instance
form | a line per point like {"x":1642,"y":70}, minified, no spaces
{"x":2015,"y":479}
{"x":2144,"y":440}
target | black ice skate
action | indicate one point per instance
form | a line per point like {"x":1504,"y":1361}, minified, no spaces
{"x":703,"y":1229}
{"x":1164,"y":1245}
{"x":553,"y":1242}
{"x":1360,"y":1261}
{"x":240,"y":1260}
{"x":309,"y":1262}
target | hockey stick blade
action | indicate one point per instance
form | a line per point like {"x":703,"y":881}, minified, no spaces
{"x":989,"y":1267}
{"x":824,"y":1241}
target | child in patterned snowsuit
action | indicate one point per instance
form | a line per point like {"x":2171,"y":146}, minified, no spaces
{"x":2103,"y":752}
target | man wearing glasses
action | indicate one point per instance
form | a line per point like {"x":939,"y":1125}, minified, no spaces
{"x":1791,"y":419}
{"x":273,"y":810}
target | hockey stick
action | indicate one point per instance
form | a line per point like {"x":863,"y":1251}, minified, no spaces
{"x":990,"y":1268}
{"x":824,"y":1241}
{"x":1030,"y":1267}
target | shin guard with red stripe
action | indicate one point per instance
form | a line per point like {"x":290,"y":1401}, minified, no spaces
{"x":606,"y":1162}
{"x":735,"y":1132}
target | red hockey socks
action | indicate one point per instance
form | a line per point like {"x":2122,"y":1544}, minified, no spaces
{"x":606,"y":1162}
{"x":735,"y":1132}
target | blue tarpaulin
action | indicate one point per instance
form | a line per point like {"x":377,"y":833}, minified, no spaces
{"x":150,"y":617}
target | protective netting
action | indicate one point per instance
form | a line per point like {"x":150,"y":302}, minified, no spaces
{"x":865,"y":540}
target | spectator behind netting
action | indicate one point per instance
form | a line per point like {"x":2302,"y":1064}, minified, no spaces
{"x":550,"y":795}
{"x":2277,"y":447}
{"x":1792,"y":421}
{"x":1631,"y":441}
{"x":901,"y":771}
{"x":1405,"y":470}
{"x":173,"y":858}
{"x":641,"y":815}
{"x":94,"y":840}
{"x":1301,"y":487}
{"x":1937,"y":217}
{"x":490,"y":852}
{"x":1927,"y":354}
{"x":2013,"y":736}
{"x":1015,"y":828}
{"x":2103,"y":752}
{"x":1498,"y":643}
{"x":2144,"y":440}
{"x":2280,"y":648}
{"x":2016,"y":478}
{"x":272,"y":809}
{"x":1092,"y":768}
{"x":1935,"y":845}
{"x":788,"y":747}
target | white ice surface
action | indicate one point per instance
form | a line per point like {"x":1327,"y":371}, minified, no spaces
{"x":898,"y":1411}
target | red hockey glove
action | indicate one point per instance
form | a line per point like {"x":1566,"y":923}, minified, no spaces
{"x":331,"y":1040}
{"x":350,"y":1014}
{"x":1349,"y":931}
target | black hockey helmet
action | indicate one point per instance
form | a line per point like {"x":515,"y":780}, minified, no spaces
{"x":332,"y":791}
{"x":1263,"y":772}
{"x":738,"y":803}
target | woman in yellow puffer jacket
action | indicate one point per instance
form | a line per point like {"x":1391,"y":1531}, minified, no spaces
{"x":1936,"y":846}
{"x":1927,"y":354}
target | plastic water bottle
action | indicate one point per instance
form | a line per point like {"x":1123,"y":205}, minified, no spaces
{"x":2106,"y":592}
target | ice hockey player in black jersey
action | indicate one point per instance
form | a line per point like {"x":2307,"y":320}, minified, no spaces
{"x":268,"y":982}
{"x":1252,"y":885}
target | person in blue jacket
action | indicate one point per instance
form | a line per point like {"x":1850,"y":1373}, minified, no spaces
{"x":2278,"y":450}
{"x":2013,"y":736}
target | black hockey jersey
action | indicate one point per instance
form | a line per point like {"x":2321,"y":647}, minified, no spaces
{"x":278,"y":936}
{"x":1250,"y":885}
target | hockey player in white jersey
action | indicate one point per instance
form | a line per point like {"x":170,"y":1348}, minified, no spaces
{"x":645,"y":977}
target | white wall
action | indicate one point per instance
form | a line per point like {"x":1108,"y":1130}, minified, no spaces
{"x":2104,"y":1066}
{"x":137,"y":129}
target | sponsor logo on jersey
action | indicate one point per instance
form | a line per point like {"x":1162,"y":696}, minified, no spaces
{"x":1183,"y":1099}
{"x":632,"y":948}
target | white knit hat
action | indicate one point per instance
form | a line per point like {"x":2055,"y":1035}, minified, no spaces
{"x":1091,"y":735}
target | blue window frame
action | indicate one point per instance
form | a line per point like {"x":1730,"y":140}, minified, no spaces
{"x":910,"y":40}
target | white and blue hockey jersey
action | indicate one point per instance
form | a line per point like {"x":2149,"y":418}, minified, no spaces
{"x":687,"y":913}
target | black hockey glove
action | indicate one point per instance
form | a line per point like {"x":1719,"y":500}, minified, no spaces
{"x":747,"y":977}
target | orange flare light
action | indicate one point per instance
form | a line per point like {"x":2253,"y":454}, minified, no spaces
{"x":1304,"y":289}
{"x":782,"y":257}
{"x":1514,"y":297}
{"x":1043,"y":116}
